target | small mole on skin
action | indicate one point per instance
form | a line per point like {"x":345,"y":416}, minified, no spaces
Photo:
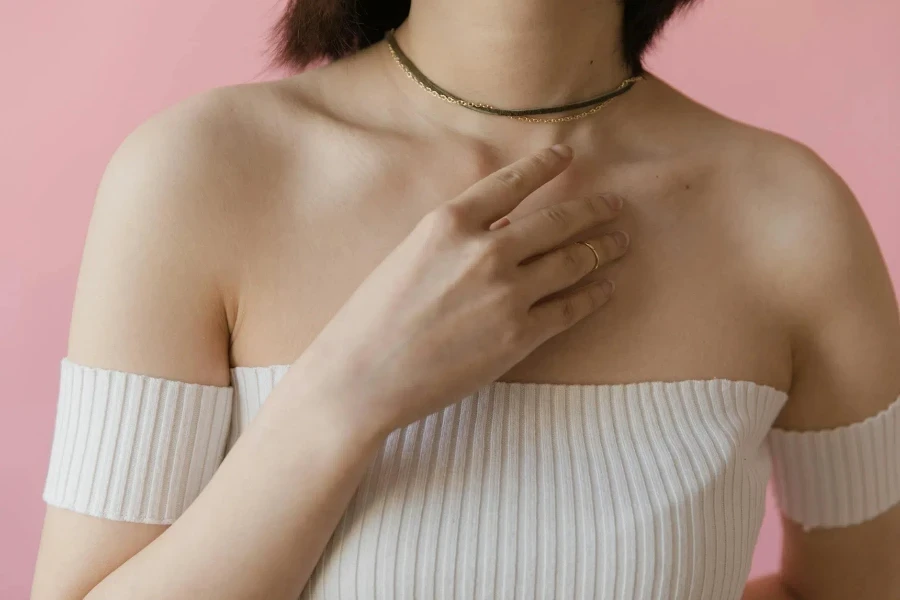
{"x":592,"y":62}
{"x":687,"y":186}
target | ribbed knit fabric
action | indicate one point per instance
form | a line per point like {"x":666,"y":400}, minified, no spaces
{"x":522,"y":490}
{"x":839,"y":477}
{"x":644,"y":491}
{"x":133,"y":448}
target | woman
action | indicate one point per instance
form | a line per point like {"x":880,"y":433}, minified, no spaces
{"x":424,"y":384}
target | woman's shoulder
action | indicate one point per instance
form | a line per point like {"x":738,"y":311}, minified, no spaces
{"x":178,"y":174}
{"x":797,"y":227}
{"x":180,"y":203}
{"x":207,"y":164}
{"x":791,"y":207}
{"x":792,"y":226}
{"x":211,"y":137}
{"x":785,"y":209}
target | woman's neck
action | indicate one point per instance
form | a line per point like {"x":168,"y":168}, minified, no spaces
{"x":517,"y":53}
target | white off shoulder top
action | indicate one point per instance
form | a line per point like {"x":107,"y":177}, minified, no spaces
{"x":522,"y":490}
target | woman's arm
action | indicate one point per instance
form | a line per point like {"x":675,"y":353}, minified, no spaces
{"x":149,"y":301}
{"x":257,"y":530}
{"x":410,"y":341}
{"x":846,"y":345}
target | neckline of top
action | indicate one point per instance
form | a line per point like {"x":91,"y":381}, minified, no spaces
{"x":538,"y":385}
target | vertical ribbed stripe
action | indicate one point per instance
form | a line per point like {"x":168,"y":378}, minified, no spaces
{"x":123,"y":443}
{"x":469,"y":525}
{"x":659,"y":549}
{"x":405,"y":527}
{"x":731,"y":424}
{"x":688,"y":499}
{"x":526,"y":553}
{"x":545,"y":535}
{"x":604,"y":515}
{"x":623,"y":545}
{"x":680,"y":538}
{"x":491,"y":497}
{"x":434,"y":470}
{"x":583,"y":500}
{"x":700,"y":480}
{"x":839,"y":477}
{"x":506,"y":574}
{"x":726,"y":447}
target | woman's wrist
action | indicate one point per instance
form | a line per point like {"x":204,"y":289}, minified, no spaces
{"x":333,"y":407}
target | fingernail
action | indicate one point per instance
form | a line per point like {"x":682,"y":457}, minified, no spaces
{"x":608,"y":287}
{"x":614,"y":202}
{"x":622,"y":238}
{"x":562,"y":150}
{"x":499,"y":223}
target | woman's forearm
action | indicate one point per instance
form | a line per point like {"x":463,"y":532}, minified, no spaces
{"x":259,"y":527}
{"x":768,"y":588}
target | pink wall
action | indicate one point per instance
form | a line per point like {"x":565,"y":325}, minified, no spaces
{"x":79,"y":76}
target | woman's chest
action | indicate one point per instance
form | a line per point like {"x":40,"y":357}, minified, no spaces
{"x":685,"y":305}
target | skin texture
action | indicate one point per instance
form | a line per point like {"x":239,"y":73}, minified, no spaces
{"x":232,"y":228}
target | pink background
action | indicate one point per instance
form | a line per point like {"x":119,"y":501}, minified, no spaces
{"x":79,"y":76}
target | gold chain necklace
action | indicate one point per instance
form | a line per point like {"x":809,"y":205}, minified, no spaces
{"x":588,"y":107}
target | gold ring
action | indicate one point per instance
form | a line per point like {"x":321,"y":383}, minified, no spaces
{"x":596,"y":256}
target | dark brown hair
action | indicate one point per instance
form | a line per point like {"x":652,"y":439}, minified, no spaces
{"x":310,"y":30}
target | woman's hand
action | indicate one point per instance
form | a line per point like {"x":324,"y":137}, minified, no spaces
{"x":462,"y":299}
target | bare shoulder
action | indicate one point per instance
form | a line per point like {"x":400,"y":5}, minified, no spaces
{"x":205,"y":168}
{"x":176,"y":209}
{"x":216,"y":139}
{"x":794,"y":222}
{"x":190,"y":177}
{"x":806,"y":245}
{"x":797,"y":219}
{"x":774,"y":193}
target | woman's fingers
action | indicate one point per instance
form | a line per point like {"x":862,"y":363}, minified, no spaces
{"x":567,"y":265}
{"x":553,"y":225}
{"x":499,"y":193}
{"x":556,"y":315}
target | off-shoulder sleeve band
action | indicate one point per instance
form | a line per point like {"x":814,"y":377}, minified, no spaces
{"x":130,"y":447}
{"x":838,"y":477}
